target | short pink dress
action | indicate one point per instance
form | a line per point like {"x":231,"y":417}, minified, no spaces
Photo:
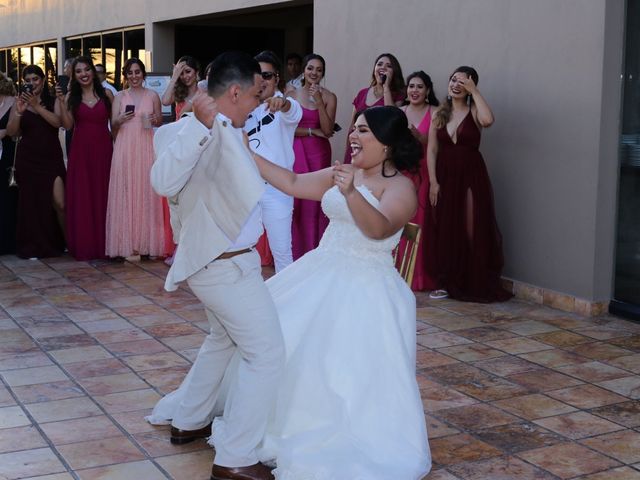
{"x":135,"y":223}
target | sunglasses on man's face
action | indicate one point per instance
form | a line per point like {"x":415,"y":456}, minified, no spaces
{"x":268,"y":75}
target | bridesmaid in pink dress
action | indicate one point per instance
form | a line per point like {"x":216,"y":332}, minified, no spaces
{"x":312,"y":151}
{"x":180,"y":90}
{"x":422,"y":102}
{"x":386,"y":88}
{"x":86,"y":109}
{"x":135,"y":223}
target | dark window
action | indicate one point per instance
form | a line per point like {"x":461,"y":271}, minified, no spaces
{"x":3,"y":61}
{"x":112,"y":49}
{"x":13,"y":67}
{"x":134,"y":44}
{"x":73,"y":48}
{"x":92,"y":48}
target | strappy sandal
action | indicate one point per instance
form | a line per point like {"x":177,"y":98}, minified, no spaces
{"x":438,"y":294}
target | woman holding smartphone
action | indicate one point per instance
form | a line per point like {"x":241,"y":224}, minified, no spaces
{"x":86,"y":109}
{"x":40,"y":169}
{"x":135,"y":225}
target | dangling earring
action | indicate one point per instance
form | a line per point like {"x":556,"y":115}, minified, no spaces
{"x":449,"y":98}
{"x":468,"y":99}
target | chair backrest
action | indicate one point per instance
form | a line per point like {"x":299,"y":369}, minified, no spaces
{"x":404,"y":256}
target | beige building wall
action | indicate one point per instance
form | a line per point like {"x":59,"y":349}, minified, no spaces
{"x":550,"y":69}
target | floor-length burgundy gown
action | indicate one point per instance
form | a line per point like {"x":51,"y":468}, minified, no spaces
{"x":469,"y":243}
{"x":38,"y":163}
{"x":88,"y":181}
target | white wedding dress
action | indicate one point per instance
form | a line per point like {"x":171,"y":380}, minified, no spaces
{"x":348,"y":407}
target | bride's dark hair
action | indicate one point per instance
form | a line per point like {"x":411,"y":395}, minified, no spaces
{"x":391,"y":128}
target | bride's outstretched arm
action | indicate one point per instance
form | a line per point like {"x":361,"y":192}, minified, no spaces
{"x":308,"y":186}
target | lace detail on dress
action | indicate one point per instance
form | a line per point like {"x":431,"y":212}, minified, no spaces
{"x":344,"y":237}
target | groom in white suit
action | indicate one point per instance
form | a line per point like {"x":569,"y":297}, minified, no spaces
{"x":205,"y":168}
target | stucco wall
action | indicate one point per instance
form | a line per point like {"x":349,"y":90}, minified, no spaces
{"x":541,"y":69}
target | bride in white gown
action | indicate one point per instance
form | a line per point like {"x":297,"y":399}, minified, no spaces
{"x":349,"y":407}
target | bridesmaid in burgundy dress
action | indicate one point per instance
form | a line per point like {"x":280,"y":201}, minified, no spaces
{"x":86,"y":109}
{"x":312,"y":151}
{"x":8,"y":195}
{"x":469,"y":243}
{"x":422,"y":102}
{"x":40,"y":169}
{"x":386,"y":88}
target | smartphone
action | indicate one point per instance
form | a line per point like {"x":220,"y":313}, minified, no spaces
{"x":383,"y":78}
{"x":129,"y":108}
{"x":336,"y":127}
{"x":63,"y":83}
{"x":26,"y":88}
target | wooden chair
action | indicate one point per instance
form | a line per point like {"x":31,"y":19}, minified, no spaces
{"x":404,"y":256}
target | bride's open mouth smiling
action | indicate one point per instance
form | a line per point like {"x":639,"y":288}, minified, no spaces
{"x":356,"y":148}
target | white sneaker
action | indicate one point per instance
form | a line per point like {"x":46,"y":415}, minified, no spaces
{"x":438,"y":294}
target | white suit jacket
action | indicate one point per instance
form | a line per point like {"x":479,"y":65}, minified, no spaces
{"x":213,"y":185}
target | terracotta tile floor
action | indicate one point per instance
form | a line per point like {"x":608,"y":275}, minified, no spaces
{"x":511,"y":391}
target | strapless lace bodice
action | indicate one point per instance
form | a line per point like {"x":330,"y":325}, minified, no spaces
{"x":344,"y":237}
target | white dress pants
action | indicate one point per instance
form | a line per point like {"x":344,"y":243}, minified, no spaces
{"x":277,"y":213}
{"x":243,"y":319}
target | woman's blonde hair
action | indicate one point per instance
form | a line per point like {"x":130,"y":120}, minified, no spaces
{"x":7,"y":86}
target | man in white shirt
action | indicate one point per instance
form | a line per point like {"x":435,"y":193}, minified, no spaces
{"x":102,"y":75}
{"x":294,"y":71}
{"x":205,"y":167}
{"x":271,"y":128}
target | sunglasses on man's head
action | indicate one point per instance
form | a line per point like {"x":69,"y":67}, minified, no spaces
{"x":268,"y":75}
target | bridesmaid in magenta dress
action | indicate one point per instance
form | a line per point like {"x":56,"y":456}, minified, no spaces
{"x":312,"y":151}
{"x":386,"y":88}
{"x":40,"y":169}
{"x":469,"y":243}
{"x":422,"y":103}
{"x":86,"y":110}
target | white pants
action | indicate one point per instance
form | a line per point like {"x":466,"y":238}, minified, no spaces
{"x":243,"y":319}
{"x":277,"y":212}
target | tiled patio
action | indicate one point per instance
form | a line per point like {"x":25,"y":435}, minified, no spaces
{"x":511,"y":391}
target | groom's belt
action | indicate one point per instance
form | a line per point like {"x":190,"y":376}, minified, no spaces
{"x":226,"y":255}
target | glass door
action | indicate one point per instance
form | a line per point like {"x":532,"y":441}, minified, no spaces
{"x":626,"y":301}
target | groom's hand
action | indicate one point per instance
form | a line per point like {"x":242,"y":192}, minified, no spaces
{"x":204,"y":108}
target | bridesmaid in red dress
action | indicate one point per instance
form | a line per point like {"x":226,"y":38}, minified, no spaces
{"x":422,"y":102}
{"x":86,"y":109}
{"x":386,"y":88}
{"x":180,"y":90}
{"x":469,"y":243}
{"x":312,"y":151}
